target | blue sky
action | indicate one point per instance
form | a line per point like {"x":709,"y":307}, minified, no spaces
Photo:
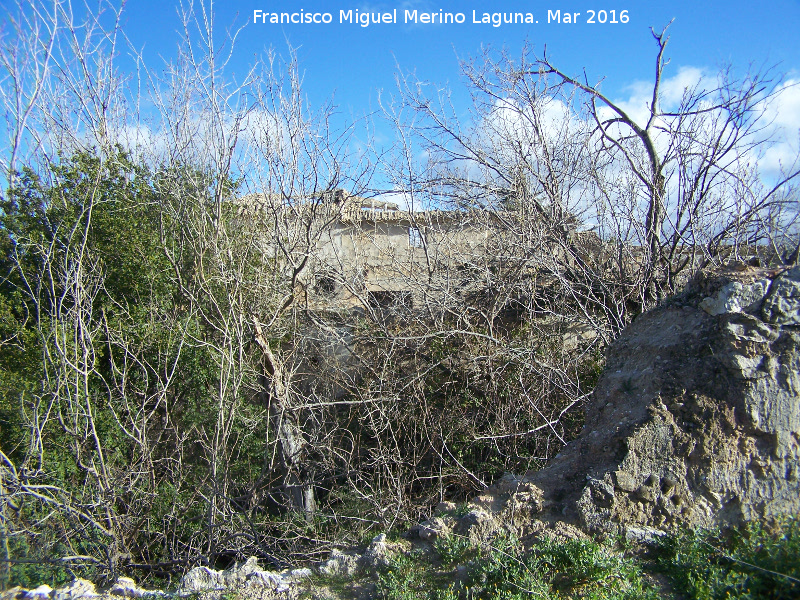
{"x":352,"y":62}
{"x":356,"y":65}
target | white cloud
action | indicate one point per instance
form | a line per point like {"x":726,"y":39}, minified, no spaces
{"x":637,"y":104}
{"x":784,"y":115}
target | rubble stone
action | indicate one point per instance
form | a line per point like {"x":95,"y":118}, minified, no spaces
{"x":340,"y":564}
{"x":127,"y":588}
{"x":39,"y":593}
{"x":78,"y":588}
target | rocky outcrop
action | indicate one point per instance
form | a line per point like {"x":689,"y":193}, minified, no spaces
{"x":695,"y":421}
{"x":348,"y":563}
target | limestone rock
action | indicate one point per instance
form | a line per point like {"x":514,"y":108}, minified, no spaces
{"x":263,"y":579}
{"x":437,"y":527}
{"x":14,"y":593}
{"x":643,"y":535}
{"x":340,"y":564}
{"x":297,"y":575}
{"x":201,"y":579}
{"x":782,"y":306}
{"x":247,"y":573}
{"x":380,"y":552}
{"x":479,"y":524}
{"x":736,"y":297}
{"x":127,"y":588}
{"x":246,"y":579}
{"x":695,"y":421}
{"x":39,"y":593}
{"x":79,"y":588}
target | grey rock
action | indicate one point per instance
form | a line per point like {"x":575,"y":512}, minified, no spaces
{"x":39,"y":593}
{"x":625,"y":481}
{"x":479,"y":524}
{"x":15,"y":593}
{"x":340,"y":564}
{"x":434,"y":528}
{"x":263,"y":579}
{"x":380,"y":553}
{"x":246,"y":579}
{"x":127,"y":588}
{"x":643,"y":535}
{"x":298,"y":574}
{"x":602,"y":492}
{"x":736,"y":297}
{"x":782,"y":306}
{"x":239,"y":574}
{"x":201,"y":579}
{"x":78,"y":588}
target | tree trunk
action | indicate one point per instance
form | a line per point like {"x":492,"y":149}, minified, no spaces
{"x":298,"y":489}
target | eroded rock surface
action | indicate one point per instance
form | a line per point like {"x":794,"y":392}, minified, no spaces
{"x":695,"y":422}
{"x":696,"y":419}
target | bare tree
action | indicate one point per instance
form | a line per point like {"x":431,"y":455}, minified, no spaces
{"x":664,"y":197}
{"x":693,"y":166}
{"x":60,"y":96}
{"x":180,"y":367}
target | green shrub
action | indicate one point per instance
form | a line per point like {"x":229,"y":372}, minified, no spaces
{"x":754,"y":561}
{"x":405,"y":579}
{"x":556,"y":569}
{"x":454,"y":549}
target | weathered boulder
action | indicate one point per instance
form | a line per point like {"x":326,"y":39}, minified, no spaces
{"x":695,"y":421}
{"x":78,"y":588}
{"x":696,"y":418}
{"x":246,"y":580}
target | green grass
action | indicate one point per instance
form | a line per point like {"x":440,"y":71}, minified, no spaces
{"x":752,"y":562}
{"x":755,"y":561}
{"x":503,"y":571}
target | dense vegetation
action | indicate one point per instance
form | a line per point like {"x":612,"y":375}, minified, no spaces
{"x":137,"y":422}
{"x":169,"y":398}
